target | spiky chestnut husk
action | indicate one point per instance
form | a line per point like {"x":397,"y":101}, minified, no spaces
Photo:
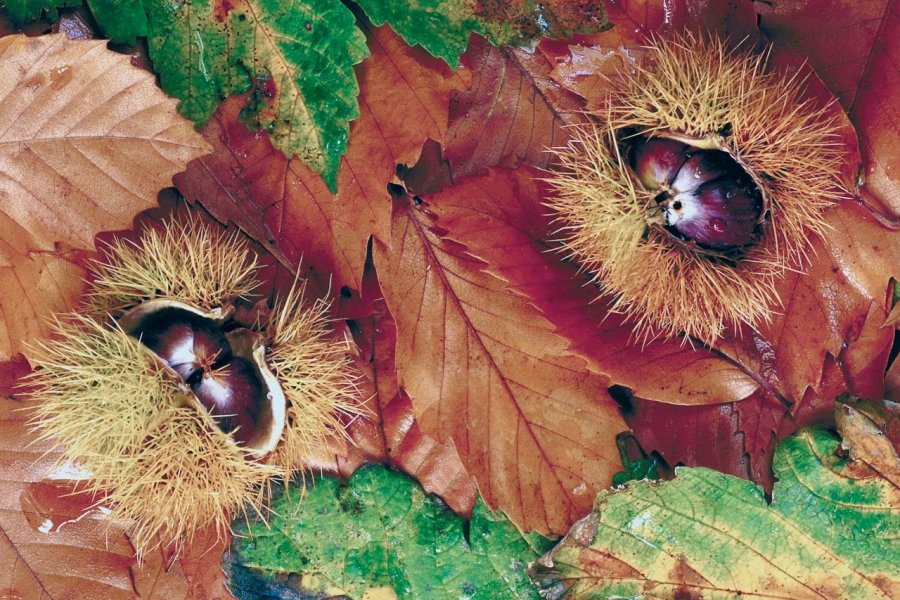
{"x":125,"y":413}
{"x":695,"y":91}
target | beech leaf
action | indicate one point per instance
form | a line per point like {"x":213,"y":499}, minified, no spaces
{"x":484,"y":368}
{"x":380,"y":532}
{"x":88,"y":140}
{"x":830,"y":532}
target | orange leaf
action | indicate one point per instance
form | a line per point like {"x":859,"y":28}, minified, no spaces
{"x":436,"y":465}
{"x":499,"y":218}
{"x":485,"y":369}
{"x":56,"y":542}
{"x":87,"y":141}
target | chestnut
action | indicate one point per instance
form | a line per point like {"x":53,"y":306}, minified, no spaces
{"x":657,"y":161}
{"x":186,"y":341}
{"x":233,"y":393}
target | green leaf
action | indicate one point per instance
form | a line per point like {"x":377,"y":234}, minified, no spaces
{"x":26,"y":11}
{"x":120,"y":20}
{"x":831,"y":531}
{"x":443,"y":27}
{"x":380,"y":531}
{"x":298,"y":57}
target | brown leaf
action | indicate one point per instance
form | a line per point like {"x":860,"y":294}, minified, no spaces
{"x":855,"y":48}
{"x":500,"y":219}
{"x":583,"y":64}
{"x":286,"y":207}
{"x":485,"y":369}
{"x":848,"y":273}
{"x":863,"y":426}
{"x":512,"y":112}
{"x":88,"y":140}
{"x":52,"y":543}
{"x":437,"y":466}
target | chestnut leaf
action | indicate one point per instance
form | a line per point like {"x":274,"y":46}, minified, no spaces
{"x":443,"y":26}
{"x":830,"y":532}
{"x":380,"y":530}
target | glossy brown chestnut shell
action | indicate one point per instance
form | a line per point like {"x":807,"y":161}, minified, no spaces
{"x":223,"y":375}
{"x":704,"y":195}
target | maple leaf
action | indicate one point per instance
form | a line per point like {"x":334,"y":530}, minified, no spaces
{"x":483,"y":367}
{"x":98,"y":143}
{"x":828,"y":533}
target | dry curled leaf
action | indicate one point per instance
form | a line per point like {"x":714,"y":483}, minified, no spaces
{"x":88,"y":140}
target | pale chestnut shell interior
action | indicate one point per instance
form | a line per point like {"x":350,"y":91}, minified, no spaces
{"x":244,"y":343}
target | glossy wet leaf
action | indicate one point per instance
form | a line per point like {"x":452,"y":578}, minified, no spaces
{"x":830,"y":532}
{"x":380,"y":531}
{"x":297,"y":57}
{"x":443,"y":27}
{"x":486,"y":369}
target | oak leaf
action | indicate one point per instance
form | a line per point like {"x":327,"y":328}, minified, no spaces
{"x":88,"y":141}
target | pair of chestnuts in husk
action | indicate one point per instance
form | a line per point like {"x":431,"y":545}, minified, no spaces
{"x":181,"y":413}
{"x":225,"y":370}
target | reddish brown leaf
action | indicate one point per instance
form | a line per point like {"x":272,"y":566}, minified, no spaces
{"x":54,"y":543}
{"x":485,"y":369}
{"x":500,"y":219}
{"x":513,"y":111}
{"x":286,"y":207}
{"x":855,"y":48}
{"x":582,"y":65}
{"x":436,"y":466}
{"x":826,"y":305}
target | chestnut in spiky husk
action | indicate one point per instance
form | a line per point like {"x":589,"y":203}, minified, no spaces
{"x":696,"y":186}
{"x":705,"y":196}
{"x":181,"y":414}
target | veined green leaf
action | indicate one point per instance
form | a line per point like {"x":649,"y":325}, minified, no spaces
{"x":443,"y":27}
{"x":299,"y":54}
{"x":832,"y":531}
